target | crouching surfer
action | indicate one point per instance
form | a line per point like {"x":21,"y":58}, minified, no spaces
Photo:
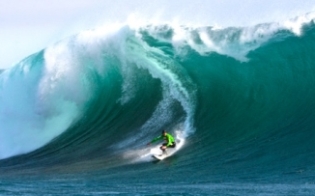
{"x":169,"y":141}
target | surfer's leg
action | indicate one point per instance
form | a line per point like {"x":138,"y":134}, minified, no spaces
{"x":163,"y":148}
{"x":173,"y":145}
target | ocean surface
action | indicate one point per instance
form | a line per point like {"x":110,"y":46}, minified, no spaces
{"x":75,"y":117}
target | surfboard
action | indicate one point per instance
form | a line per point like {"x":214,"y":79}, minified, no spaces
{"x":157,"y":153}
{"x":159,"y":157}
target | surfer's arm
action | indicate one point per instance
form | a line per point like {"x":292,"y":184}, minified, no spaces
{"x":156,"y":139}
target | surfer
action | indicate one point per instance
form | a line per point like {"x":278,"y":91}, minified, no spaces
{"x":169,"y":141}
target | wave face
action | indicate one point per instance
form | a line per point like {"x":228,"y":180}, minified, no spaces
{"x":243,"y":98}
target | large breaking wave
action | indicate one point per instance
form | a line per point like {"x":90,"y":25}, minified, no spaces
{"x":241,"y":96}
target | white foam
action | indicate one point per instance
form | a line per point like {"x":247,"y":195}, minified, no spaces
{"x":295,"y":25}
{"x":235,"y":42}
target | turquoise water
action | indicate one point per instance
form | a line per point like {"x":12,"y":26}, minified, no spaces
{"x":75,"y":117}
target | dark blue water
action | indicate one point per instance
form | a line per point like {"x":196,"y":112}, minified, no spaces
{"x":75,"y":117}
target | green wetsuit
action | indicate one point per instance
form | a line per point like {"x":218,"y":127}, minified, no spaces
{"x":170,"y":139}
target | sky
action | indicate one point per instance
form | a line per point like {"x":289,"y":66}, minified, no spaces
{"x":28,"y":26}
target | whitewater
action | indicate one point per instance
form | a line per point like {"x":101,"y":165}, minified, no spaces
{"x":81,"y":111}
